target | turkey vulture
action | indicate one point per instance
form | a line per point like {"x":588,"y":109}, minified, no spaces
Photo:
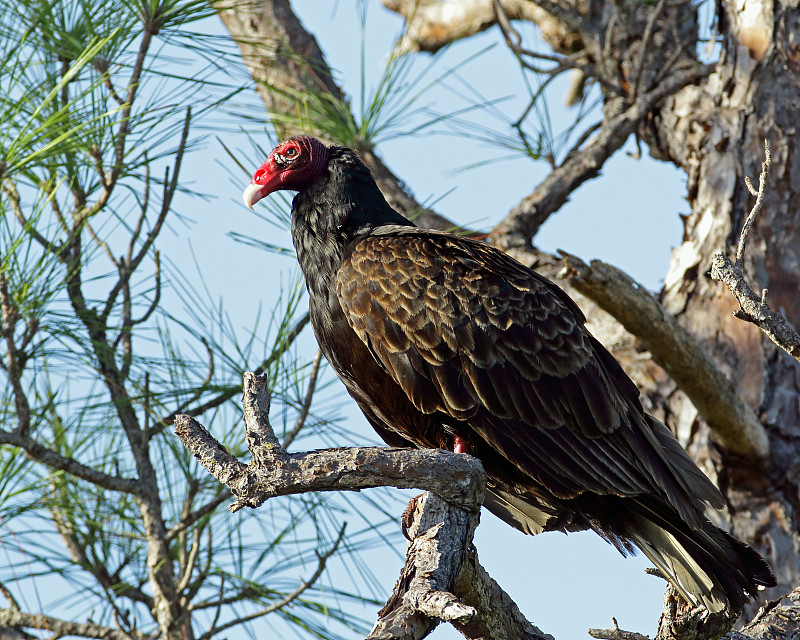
{"x":447,"y":342}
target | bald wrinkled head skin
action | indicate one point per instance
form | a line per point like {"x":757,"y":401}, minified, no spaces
{"x":293,"y":164}
{"x":446,"y":342}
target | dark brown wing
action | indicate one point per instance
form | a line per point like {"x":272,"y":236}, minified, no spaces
{"x":469,"y":332}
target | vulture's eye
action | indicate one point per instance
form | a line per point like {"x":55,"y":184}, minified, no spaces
{"x":291,"y":152}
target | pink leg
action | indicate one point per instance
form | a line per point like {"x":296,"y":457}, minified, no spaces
{"x":459,"y":445}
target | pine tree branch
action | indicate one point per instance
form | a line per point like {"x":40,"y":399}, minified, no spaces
{"x":304,"y":410}
{"x":55,"y":460}
{"x":322,"y":560}
{"x":8,"y":187}
{"x":232,"y":390}
{"x":128,"y":266}
{"x":110,"y":583}
{"x":201,"y":512}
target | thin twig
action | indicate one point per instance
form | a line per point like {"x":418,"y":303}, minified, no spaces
{"x":229,"y":393}
{"x":615,"y":633}
{"x":14,"y":198}
{"x":582,"y":139}
{"x":77,"y":551}
{"x":751,"y":218}
{"x":143,"y":210}
{"x":514,"y":42}
{"x":125,"y":332}
{"x":110,"y":86}
{"x":645,"y":47}
{"x":101,"y":243}
{"x":193,"y":485}
{"x":50,"y":188}
{"x":193,"y":587}
{"x":125,"y":116}
{"x":194,"y":552}
{"x":753,"y":307}
{"x":170,"y":186}
{"x":157,"y":297}
{"x":201,"y":512}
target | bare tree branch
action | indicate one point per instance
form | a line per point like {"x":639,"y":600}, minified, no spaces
{"x":13,"y":617}
{"x":273,"y":472}
{"x":524,"y":220}
{"x":441,"y":523}
{"x":439,"y":536}
{"x":752,"y":307}
{"x":54,"y":459}
{"x":574,"y":60}
{"x":615,"y":633}
{"x":733,"y":422}
{"x":499,"y":617}
{"x":187,"y":567}
{"x":759,"y":195}
{"x":433,"y":25}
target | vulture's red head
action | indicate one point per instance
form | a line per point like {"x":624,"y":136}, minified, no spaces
{"x":294,"y":164}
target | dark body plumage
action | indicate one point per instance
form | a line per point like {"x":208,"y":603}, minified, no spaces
{"x":442,"y":339}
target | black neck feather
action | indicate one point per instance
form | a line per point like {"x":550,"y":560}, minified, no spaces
{"x":342,"y":206}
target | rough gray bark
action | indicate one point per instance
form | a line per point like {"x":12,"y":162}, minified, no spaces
{"x":441,"y":579}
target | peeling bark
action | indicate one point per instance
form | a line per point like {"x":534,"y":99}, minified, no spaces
{"x":715,"y":131}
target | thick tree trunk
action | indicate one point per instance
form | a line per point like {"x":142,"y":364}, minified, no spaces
{"x":716,"y":131}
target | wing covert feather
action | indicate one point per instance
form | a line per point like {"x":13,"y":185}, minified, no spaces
{"x":467,"y":331}
{"x":488,"y":334}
